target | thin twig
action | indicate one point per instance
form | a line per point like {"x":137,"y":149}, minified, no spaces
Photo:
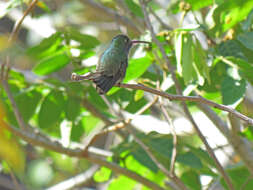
{"x":18,"y":115}
{"x":173,"y":132}
{"x":179,"y":91}
{"x":18,"y":24}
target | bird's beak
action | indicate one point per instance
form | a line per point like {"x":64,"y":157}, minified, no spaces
{"x":138,"y":41}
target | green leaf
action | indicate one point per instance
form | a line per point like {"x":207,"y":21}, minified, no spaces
{"x":184,"y":50}
{"x":232,"y":90}
{"x":140,"y":155}
{"x":138,"y":95}
{"x":136,"y":68}
{"x":196,"y":4}
{"x":51,"y":109}
{"x":77,"y":131}
{"x":200,"y":60}
{"x":73,"y":107}
{"x":102,"y":175}
{"x":244,"y":67}
{"x":122,"y":183}
{"x":190,"y":159}
{"x":134,"y":8}
{"x":47,"y":47}
{"x":239,"y":175}
{"x":27,"y":103}
{"x":86,"y":41}
{"x":191,"y":179}
{"x":229,"y":14}
{"x":246,"y":39}
{"x":51,"y":64}
{"x":247,"y":133}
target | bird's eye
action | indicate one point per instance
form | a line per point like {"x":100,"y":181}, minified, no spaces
{"x":126,"y":40}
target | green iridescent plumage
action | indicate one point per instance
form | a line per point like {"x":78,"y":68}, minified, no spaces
{"x":112,"y":65}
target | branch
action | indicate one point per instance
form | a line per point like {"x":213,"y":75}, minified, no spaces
{"x":18,"y":24}
{"x":198,"y":99}
{"x":38,"y":140}
{"x":179,"y":91}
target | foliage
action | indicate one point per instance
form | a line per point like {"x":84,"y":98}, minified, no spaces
{"x":218,"y":64}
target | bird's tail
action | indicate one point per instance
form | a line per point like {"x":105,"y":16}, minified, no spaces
{"x":104,"y":83}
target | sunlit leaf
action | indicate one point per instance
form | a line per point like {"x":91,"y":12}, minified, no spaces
{"x":102,"y":175}
{"x":51,"y":64}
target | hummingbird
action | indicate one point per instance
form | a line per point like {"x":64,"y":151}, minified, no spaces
{"x":112,"y":65}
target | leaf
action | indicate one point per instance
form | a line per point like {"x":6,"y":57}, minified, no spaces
{"x":102,"y":175}
{"x":51,"y":109}
{"x":232,"y":90}
{"x":134,"y":8}
{"x":239,"y":176}
{"x":200,"y":60}
{"x":136,"y":68}
{"x":190,"y":159}
{"x":138,"y":95}
{"x":51,"y":64}
{"x":191,"y":179}
{"x":27,"y":103}
{"x":244,"y":67}
{"x":227,"y":15}
{"x":86,"y":41}
{"x":183,"y":48}
{"x":77,"y":131}
{"x":196,"y":4}
{"x":122,"y":183}
{"x":246,"y":39}
{"x":47,"y":47}
{"x":140,"y":155}
{"x":73,"y":107}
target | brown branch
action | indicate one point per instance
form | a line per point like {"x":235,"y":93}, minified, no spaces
{"x":188,"y":98}
{"x":39,"y":140}
{"x":173,"y":132}
{"x":179,"y":91}
{"x":198,"y":99}
{"x":18,"y":24}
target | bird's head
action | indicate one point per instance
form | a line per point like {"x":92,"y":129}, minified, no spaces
{"x":123,"y":42}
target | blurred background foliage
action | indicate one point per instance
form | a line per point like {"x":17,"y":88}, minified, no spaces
{"x":209,"y":43}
